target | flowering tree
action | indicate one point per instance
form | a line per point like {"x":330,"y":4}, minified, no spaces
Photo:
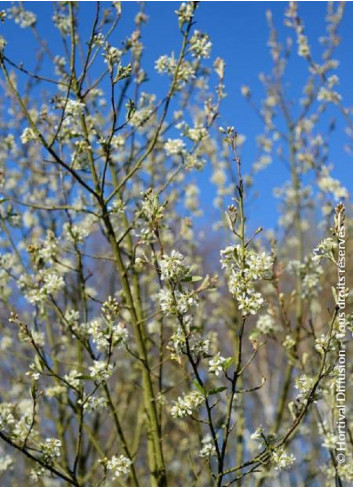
{"x":128,"y":355}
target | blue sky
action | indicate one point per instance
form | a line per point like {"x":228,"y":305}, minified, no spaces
{"x":239,"y":34}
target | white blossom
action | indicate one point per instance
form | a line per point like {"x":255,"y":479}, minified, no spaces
{"x":217,"y":364}
{"x":172,"y":267}
{"x":185,"y":12}
{"x":100,"y":370}
{"x":174,"y":146}
{"x":187,"y":404}
{"x":208,"y":447}
{"x":200,"y":45}
{"x":50,"y":450}
{"x":281,"y":459}
{"x":118,"y":466}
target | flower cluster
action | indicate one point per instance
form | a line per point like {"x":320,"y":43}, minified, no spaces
{"x":50,"y":450}
{"x":24,"y":18}
{"x":200,"y":45}
{"x":172,"y":267}
{"x":208,"y":447}
{"x":244,"y":268}
{"x":265,"y":325}
{"x":28,"y":135}
{"x":199,"y":346}
{"x":325,"y":249}
{"x":169,"y":65}
{"x":218,"y":364}
{"x":177,"y":302}
{"x":310,"y":272}
{"x":118,"y":466}
{"x":327,"y":95}
{"x":106,"y":334}
{"x":100,"y":370}
{"x":281,"y":460}
{"x":185,"y":405}
{"x":73,"y":378}
{"x":174,"y":146}
{"x":93,"y":404}
{"x":304,"y":383}
{"x":46,"y":282}
{"x":327,"y":184}
{"x":151,"y":209}
{"x":73,"y":108}
{"x":6,"y":416}
{"x":185,"y":13}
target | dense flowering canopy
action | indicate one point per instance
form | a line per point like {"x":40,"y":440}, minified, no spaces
{"x":141,"y":345}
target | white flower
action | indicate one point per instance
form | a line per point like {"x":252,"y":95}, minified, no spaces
{"x":329,"y":441}
{"x":174,"y":146}
{"x":327,"y":95}
{"x":52,"y":283}
{"x":322,"y":343}
{"x":118,"y":141}
{"x":250,"y":302}
{"x":303,"y":46}
{"x":6,"y":416}
{"x":6,"y":462}
{"x":186,"y":405}
{"x":73,"y":378}
{"x":177,"y":303}
{"x":288,"y":342}
{"x":244,"y":268}
{"x":281,"y":459}
{"x":112,"y":55}
{"x":74,"y":107}
{"x":328,"y":184}
{"x":3,"y":43}
{"x":24,"y":18}
{"x":208,"y":447}
{"x":219,"y":177}
{"x":325,"y":249}
{"x":93,"y":404}
{"x":200,"y":45}
{"x":50,"y":449}
{"x":245,"y":91}
{"x":172,"y":267}
{"x":258,"y":434}
{"x":217,"y":364}
{"x":219,"y":65}
{"x":106,"y":335}
{"x":257,"y":266}
{"x":197,"y":133}
{"x":304,"y":383}
{"x":164,"y":64}
{"x":33,"y":372}
{"x":266,"y":324}
{"x":118,"y":466}
{"x":27,"y":135}
{"x":100,"y":370}
{"x":185,"y":12}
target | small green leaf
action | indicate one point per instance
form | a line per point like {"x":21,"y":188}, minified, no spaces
{"x":228,"y":363}
{"x":192,"y":279}
{"x":205,"y":282}
{"x":196,"y":278}
{"x":217,"y":390}
{"x":229,"y":222}
{"x":39,"y":364}
{"x":199,"y":387}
